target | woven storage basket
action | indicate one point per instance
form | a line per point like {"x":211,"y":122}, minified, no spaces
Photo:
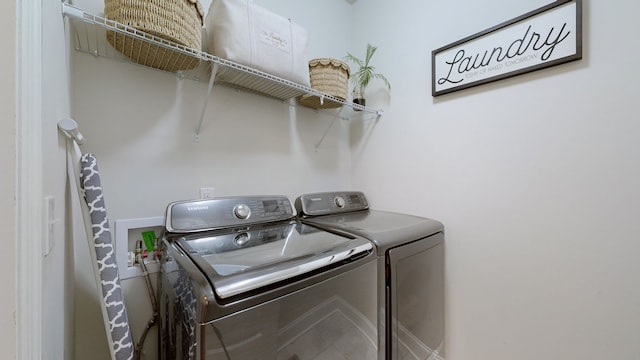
{"x":330,"y":76}
{"x":179,"y":21}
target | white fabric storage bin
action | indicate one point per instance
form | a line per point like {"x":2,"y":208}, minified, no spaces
{"x":243,"y":32}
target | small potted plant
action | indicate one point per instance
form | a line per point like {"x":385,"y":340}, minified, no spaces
{"x":364,"y":74}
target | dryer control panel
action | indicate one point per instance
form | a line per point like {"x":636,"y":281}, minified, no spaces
{"x":330,"y":203}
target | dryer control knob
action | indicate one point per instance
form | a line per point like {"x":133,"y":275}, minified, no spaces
{"x":242,"y":211}
{"x":339,"y":201}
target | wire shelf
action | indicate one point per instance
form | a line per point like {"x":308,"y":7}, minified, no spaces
{"x":89,"y":35}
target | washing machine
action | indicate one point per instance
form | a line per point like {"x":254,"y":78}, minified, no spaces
{"x":410,"y":251}
{"x":242,"y":279}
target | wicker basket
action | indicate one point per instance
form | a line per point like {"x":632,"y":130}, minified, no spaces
{"x":179,"y":21}
{"x":329,"y":76}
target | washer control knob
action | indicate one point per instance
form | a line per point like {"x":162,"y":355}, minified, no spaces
{"x":242,"y":211}
{"x":339,"y":201}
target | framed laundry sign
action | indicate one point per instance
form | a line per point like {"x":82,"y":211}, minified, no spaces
{"x":544,"y":37}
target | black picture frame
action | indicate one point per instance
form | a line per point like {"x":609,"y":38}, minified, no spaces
{"x":524,"y":44}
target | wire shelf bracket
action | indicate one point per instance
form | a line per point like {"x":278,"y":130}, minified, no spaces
{"x":212,"y":79}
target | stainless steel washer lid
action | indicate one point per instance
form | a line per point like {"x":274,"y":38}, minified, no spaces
{"x":240,"y":260}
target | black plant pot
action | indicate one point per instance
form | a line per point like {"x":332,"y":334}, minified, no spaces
{"x":360,"y":101}
{"x":358,"y":96}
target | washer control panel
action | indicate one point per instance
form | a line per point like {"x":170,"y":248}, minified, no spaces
{"x":330,"y":203}
{"x":219,"y":213}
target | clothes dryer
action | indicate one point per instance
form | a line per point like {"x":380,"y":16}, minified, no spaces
{"x":410,"y":251}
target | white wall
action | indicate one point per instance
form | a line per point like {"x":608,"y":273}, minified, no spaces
{"x":141,"y":123}
{"x":7,"y":180}
{"x":535,"y":178}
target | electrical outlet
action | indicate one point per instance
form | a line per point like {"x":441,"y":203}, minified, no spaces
{"x":206,"y":192}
